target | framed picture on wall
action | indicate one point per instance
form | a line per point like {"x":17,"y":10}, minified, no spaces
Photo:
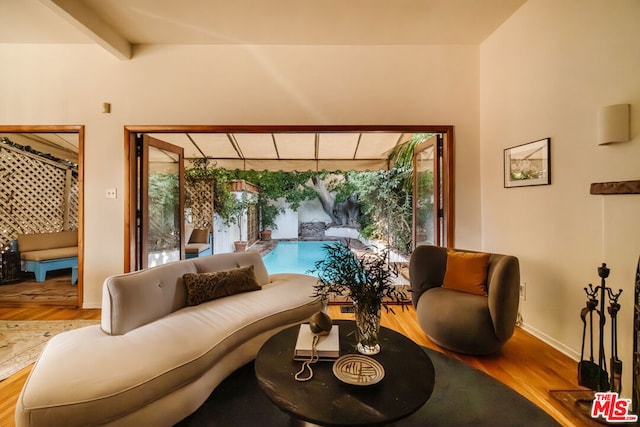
{"x":528,"y":164}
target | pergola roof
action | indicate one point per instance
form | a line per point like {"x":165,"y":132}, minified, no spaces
{"x":60,"y":145}
{"x":290,"y":151}
{"x":297,"y":150}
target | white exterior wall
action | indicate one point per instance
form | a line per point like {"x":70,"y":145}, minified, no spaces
{"x":224,"y":236}
{"x":311,"y":211}
{"x":287,"y":223}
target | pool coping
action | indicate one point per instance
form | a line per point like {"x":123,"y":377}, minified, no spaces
{"x":266,"y":246}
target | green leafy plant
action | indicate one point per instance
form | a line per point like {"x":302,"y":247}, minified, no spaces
{"x":385,"y":206}
{"x":275,"y":185}
{"x":163,"y":213}
{"x":268,"y":213}
{"x":291,"y":186}
{"x":221,"y":178}
{"x":365,"y":277}
{"x":380,"y":202}
{"x":236,"y":209}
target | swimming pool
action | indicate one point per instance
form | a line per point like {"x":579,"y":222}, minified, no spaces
{"x":294,"y":257}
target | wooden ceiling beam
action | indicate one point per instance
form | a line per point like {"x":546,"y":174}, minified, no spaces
{"x":85,"y":20}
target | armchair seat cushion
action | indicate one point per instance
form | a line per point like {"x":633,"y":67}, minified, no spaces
{"x":461,"y":330}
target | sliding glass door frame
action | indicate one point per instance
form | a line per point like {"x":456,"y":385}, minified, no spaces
{"x":137,"y":226}
{"x":443,"y":200}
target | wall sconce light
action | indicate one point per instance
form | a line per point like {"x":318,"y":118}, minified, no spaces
{"x":613,"y":124}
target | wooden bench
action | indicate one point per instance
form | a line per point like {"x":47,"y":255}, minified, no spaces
{"x":42,"y":252}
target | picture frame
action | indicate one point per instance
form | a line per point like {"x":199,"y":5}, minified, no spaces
{"x":528,"y":164}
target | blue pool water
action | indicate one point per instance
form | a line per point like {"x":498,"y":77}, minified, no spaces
{"x":294,"y":257}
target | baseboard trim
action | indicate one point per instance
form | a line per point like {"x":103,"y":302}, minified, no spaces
{"x":567,"y":351}
{"x":91,"y":306}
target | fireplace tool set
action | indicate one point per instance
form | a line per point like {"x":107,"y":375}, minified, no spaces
{"x":591,"y":374}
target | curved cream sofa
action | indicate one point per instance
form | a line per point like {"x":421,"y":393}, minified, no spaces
{"x":153,"y":360}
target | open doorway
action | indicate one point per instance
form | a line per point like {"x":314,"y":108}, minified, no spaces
{"x":290,"y":148}
{"x":41,"y":196}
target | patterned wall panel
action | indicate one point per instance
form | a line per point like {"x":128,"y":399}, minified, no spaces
{"x":199,"y":199}
{"x":37,"y":195}
{"x":253,"y":227}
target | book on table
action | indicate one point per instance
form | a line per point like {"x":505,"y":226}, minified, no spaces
{"x":327,"y":348}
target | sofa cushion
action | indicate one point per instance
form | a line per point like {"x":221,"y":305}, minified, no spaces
{"x":199,"y":235}
{"x":202,"y":287}
{"x":40,"y":241}
{"x":49,"y":254}
{"x":195,"y":248}
{"x":467,"y":272}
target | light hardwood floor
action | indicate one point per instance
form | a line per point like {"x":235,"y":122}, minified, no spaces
{"x":525,"y":364}
{"x":55,"y":291}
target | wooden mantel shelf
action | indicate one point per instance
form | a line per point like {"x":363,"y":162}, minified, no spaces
{"x":619,"y":187}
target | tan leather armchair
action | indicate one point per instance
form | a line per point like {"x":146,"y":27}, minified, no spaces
{"x":460,"y":321}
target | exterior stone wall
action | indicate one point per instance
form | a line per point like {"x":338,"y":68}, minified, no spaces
{"x":312,"y":231}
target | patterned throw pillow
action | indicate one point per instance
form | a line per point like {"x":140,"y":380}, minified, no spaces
{"x":202,"y":287}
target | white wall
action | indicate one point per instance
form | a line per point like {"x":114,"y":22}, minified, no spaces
{"x":224,"y":235}
{"x":247,"y":85}
{"x":545,"y":73}
{"x":311,"y":211}
{"x":286,"y":223}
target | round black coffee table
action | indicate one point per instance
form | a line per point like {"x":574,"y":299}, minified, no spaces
{"x":327,"y":401}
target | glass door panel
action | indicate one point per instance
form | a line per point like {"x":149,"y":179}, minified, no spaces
{"x":161,"y":203}
{"x":425,"y":206}
{"x":433,"y":191}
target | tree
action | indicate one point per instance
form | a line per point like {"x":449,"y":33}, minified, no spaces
{"x":291,"y":186}
{"x":378,"y":202}
{"x":268,"y":213}
{"x":385,"y":206}
{"x":338,"y":199}
{"x":237,"y":208}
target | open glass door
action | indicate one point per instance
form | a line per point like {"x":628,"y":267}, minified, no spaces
{"x":160,"y":213}
{"x":432,"y":205}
